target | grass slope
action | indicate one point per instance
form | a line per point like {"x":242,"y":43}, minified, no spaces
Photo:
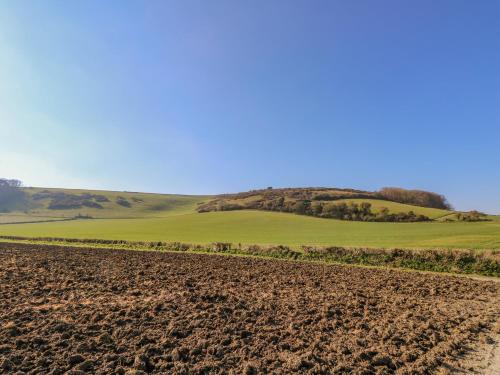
{"x":142,"y":204}
{"x":164,"y":217}
{"x":262,"y":227}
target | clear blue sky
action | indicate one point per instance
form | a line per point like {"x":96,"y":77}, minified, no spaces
{"x":223,"y":96}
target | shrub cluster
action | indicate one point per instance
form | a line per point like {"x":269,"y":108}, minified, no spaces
{"x":359,"y":212}
{"x":438,"y":260}
{"x":63,"y":201}
{"x":362,"y":212}
{"x":472,"y":216}
{"x":279,"y":199}
{"x":122,"y":201}
{"x":335,"y":197}
{"x":341,"y":211}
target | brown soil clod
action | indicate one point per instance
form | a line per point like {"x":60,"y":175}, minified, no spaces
{"x":82,"y":310}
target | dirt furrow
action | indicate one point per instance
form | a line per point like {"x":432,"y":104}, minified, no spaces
{"x":103,"y":311}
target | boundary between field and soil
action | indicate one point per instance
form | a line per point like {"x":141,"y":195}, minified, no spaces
{"x":464,"y":262}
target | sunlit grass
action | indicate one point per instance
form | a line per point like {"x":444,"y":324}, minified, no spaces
{"x":272,"y":228}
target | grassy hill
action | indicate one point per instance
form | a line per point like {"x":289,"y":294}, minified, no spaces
{"x":109,"y":204}
{"x":43,"y":204}
{"x":164,"y":217}
{"x":385,"y":205}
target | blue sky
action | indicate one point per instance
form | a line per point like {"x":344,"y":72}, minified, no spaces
{"x":223,"y":96}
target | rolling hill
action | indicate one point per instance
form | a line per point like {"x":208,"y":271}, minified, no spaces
{"x":164,"y":217}
{"x":45,"y":204}
{"x":385,"y":205}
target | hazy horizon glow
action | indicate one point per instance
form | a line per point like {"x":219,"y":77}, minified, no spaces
{"x":201,"y":97}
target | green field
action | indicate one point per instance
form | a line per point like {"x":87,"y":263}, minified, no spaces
{"x":272,"y":228}
{"x":163,"y":217}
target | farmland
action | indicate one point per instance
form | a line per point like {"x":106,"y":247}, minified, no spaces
{"x":136,"y":216}
{"x":115,"y":311}
{"x":272,"y":228}
{"x":249,"y":188}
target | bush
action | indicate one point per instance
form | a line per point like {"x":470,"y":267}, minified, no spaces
{"x":302,"y":207}
{"x":363,"y":212}
{"x":62,"y":201}
{"x":317,"y":208}
{"x":122,"y":201}
{"x":472,"y":216}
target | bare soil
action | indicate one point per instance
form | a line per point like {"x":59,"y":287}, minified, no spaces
{"x":77,"y":310}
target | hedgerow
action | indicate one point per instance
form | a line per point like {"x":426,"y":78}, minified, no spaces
{"x":438,"y":260}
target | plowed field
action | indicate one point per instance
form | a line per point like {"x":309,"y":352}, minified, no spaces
{"x":114,"y":311}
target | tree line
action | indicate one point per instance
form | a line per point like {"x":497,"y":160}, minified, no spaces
{"x":354,"y":212}
{"x":414,"y":197}
{"x":343,"y":211}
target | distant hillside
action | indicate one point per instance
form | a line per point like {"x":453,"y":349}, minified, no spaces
{"x":388,"y":204}
{"x":174,"y":218}
{"x":47,"y":204}
{"x":33,"y":204}
{"x":109,"y":204}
